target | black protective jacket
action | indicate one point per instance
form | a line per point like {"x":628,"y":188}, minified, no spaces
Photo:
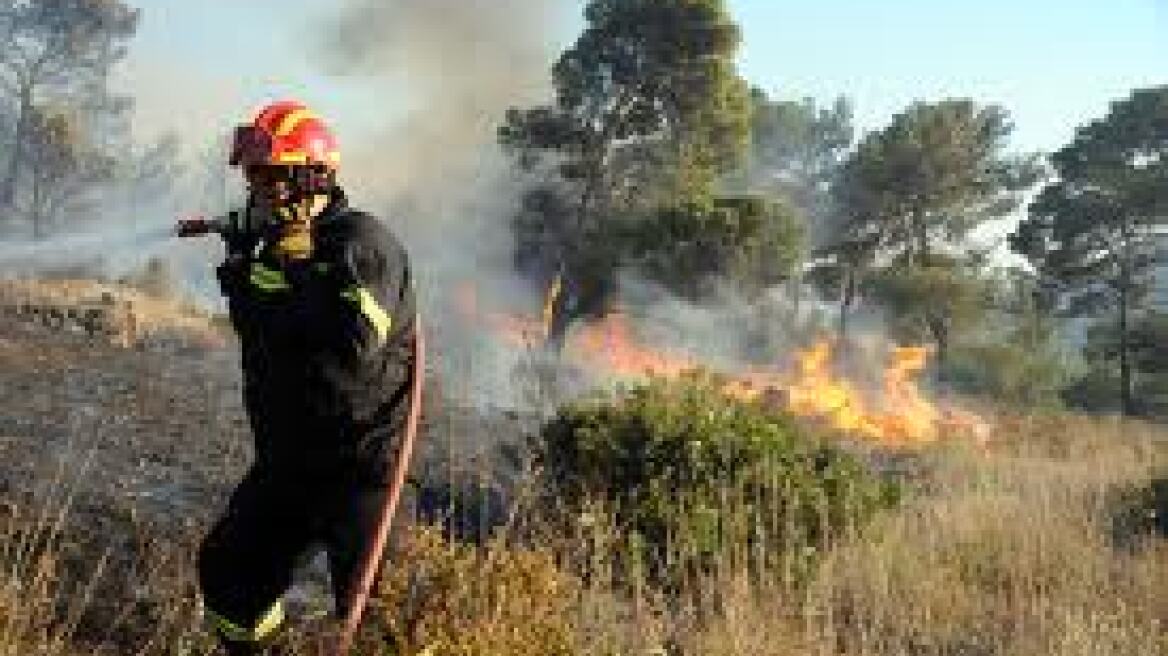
{"x":326,"y":347}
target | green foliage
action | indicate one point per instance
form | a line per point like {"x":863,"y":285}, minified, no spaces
{"x":1014,"y":352}
{"x":797,"y":149}
{"x":749,"y":242}
{"x":645,"y":79}
{"x":930,"y":302}
{"x":932,"y":175}
{"x":649,"y":112}
{"x":694,"y":473}
{"x":1149,"y":344}
{"x":1013,"y":373}
{"x":1095,"y":391}
{"x":63,"y":118}
{"x":1092,"y":231}
{"x":910,"y":194}
{"x":1100,"y":389}
{"x":1140,"y":510}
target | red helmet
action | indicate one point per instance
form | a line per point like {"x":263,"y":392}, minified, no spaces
{"x":285,"y":133}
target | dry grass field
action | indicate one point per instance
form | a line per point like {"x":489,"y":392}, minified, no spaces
{"x":1049,"y":539}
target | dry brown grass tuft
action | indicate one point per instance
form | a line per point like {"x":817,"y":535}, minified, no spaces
{"x":442,"y":598}
{"x":1009,"y":552}
{"x":124,"y":315}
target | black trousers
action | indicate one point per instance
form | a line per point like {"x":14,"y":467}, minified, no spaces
{"x":273,"y":521}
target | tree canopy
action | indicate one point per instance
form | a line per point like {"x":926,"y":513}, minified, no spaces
{"x":1092,"y":230}
{"x":54,"y":69}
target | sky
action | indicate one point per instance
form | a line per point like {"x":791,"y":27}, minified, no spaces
{"x":1054,"y":64}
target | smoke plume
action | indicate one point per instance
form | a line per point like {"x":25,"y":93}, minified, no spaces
{"x":443,"y":73}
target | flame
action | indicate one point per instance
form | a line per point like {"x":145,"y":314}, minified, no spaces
{"x":516,"y":330}
{"x":609,"y":345}
{"x":897,"y":412}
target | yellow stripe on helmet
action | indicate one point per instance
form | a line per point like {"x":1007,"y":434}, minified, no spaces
{"x":299,"y":157}
{"x":294,"y":118}
{"x":294,"y":157}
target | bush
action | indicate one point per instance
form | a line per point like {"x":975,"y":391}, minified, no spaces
{"x":693,"y":475}
{"x":1141,"y":510}
{"x":1010,"y":373}
{"x":1096,"y":392}
{"x":444,"y":598}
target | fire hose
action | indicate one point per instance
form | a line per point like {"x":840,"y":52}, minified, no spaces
{"x":363,"y":583}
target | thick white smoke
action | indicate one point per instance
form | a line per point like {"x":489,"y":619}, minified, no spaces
{"x":451,"y":68}
{"x":445,"y":72}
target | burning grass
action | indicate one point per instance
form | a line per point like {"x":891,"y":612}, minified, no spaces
{"x":887,"y":406}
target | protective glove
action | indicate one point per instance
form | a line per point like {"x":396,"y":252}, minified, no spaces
{"x":241,"y":234}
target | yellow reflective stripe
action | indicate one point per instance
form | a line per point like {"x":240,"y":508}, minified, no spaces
{"x":236,"y":633}
{"x":292,"y":119}
{"x":371,"y":309}
{"x":268,"y":280}
{"x":299,"y":157}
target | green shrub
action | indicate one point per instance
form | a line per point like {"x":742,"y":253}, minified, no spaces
{"x":693,"y":475}
{"x":1017,"y":374}
{"x":1140,"y":510}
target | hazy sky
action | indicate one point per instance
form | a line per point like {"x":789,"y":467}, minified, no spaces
{"x":201,"y":66}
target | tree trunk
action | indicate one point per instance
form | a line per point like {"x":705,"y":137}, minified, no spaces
{"x":940,"y":333}
{"x":922,"y":238}
{"x":1126,"y":400}
{"x":847,"y":297}
{"x":24,"y":109}
{"x":36,"y":214}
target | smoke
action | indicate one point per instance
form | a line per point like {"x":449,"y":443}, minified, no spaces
{"x":442,"y":73}
{"x":445,"y":71}
{"x":117,"y":251}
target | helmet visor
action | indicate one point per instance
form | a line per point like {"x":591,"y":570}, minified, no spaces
{"x":250,"y":146}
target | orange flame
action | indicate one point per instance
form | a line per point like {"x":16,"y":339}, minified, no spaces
{"x":608,"y":345}
{"x":898,"y":413}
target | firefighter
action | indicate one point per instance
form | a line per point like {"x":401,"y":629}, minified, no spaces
{"x":321,"y":297}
